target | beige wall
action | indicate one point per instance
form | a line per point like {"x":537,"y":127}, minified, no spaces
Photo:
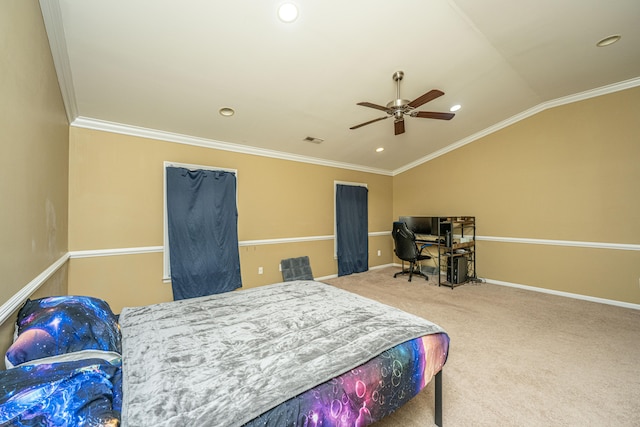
{"x":54,"y":285}
{"x":33,"y":156}
{"x":116,"y":201}
{"x":570,"y":173}
{"x":33,"y":150}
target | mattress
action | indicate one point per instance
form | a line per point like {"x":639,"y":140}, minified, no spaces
{"x":304,"y":351}
{"x":366,"y":393}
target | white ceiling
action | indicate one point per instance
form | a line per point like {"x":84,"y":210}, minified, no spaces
{"x":164,"y":68}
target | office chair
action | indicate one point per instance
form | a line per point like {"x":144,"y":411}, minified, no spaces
{"x":407,"y":250}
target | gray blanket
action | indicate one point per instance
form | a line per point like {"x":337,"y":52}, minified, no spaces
{"x":225,"y":359}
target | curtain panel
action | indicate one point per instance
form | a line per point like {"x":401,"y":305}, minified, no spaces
{"x":352,"y":229}
{"x":202,"y":222}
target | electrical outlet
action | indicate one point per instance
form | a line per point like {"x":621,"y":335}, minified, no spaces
{"x":260,"y":270}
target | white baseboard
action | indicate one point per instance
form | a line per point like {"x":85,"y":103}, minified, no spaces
{"x":558,"y":293}
{"x":333,"y":276}
{"x":565,"y":294}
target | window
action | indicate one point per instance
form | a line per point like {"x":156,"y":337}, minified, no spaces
{"x":166,"y":276}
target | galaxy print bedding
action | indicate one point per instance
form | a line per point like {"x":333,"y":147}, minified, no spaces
{"x":367,"y":393}
{"x":228,"y":359}
{"x":64,"y":365}
{"x":64,"y":328}
{"x":77,"y":393}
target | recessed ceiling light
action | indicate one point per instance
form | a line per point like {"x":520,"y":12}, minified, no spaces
{"x":607,"y":41}
{"x":455,"y":108}
{"x":226,"y":111}
{"x":379,"y":150}
{"x":288,"y":12}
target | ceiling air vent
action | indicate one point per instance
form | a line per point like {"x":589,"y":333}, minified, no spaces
{"x":314,"y":140}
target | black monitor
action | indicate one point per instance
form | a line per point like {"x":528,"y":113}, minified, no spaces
{"x":421,"y":224}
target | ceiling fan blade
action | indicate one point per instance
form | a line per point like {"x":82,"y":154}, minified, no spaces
{"x":376,"y":106}
{"x":369,"y":122}
{"x":429,"y":96}
{"x":432,"y":115}
{"x":398,"y":126}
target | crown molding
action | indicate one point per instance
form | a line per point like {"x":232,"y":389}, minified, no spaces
{"x":52,"y":17}
{"x":89,"y":123}
{"x":604,"y":90}
{"x":95,"y":124}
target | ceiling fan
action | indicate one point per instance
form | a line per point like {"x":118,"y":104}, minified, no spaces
{"x":399,"y":107}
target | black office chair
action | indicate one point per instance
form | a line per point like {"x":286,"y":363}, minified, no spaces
{"x":407,"y":249}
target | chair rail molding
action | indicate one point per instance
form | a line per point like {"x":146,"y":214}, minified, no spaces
{"x":13,"y":303}
{"x":574,"y":243}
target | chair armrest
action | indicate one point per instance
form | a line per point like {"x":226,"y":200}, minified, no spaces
{"x":421,"y":248}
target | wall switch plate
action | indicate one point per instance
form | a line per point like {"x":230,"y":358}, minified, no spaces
{"x":379,"y":252}
{"x":260,"y":270}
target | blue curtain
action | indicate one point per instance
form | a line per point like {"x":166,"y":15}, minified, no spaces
{"x":203,"y":232}
{"x":352,"y":229}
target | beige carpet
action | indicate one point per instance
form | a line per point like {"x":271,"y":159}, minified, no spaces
{"x":518,"y":358}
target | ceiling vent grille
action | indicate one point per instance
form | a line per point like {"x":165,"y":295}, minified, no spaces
{"x":313,"y":139}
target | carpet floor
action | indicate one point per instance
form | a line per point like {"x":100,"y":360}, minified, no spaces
{"x":518,"y":357}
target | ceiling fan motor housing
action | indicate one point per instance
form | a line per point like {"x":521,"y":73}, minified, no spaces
{"x":398,"y":108}
{"x":398,"y":103}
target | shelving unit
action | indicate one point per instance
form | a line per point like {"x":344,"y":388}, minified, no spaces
{"x":457,"y":255}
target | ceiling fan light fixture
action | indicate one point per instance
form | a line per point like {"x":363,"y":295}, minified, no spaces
{"x":379,"y":149}
{"x":455,"y":108}
{"x":288,"y":12}
{"x":608,"y":41}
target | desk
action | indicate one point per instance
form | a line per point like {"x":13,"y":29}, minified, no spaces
{"x":455,"y":262}
{"x":427,"y":240}
{"x":457,"y":256}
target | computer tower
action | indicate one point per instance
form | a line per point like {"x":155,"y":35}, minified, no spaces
{"x":457,"y":270}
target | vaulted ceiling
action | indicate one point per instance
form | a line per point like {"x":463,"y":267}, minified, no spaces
{"x":165,"y":68}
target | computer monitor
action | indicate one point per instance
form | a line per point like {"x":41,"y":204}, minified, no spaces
{"x":421,"y":224}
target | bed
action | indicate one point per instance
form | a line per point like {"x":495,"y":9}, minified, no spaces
{"x":295,"y":353}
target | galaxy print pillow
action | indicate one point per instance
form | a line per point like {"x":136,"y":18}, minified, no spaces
{"x":78,"y":393}
{"x":64,"y":328}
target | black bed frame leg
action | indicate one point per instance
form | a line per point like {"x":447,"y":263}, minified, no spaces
{"x":438,"y":403}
